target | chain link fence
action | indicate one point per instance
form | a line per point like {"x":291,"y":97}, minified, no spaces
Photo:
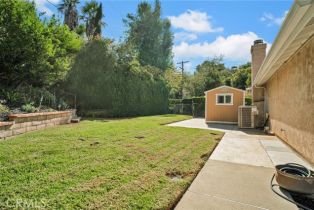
{"x":194,"y":106}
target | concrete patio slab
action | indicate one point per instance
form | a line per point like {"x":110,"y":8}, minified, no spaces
{"x":241,"y":150}
{"x":199,"y":201}
{"x":223,"y":185}
{"x":200,"y":123}
{"x":246,"y":146}
{"x":238,"y":173}
{"x":280,"y":153}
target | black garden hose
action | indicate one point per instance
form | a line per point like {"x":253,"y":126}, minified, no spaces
{"x":290,"y":200}
{"x":296,"y":170}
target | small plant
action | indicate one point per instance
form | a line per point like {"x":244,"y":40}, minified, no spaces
{"x":4,"y":109}
{"x":248,"y":100}
{"x":63,"y":105}
{"x":29,"y":108}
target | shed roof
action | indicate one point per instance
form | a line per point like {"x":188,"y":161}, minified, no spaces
{"x":224,"y":86}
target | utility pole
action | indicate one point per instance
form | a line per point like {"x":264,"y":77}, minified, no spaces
{"x":182,"y":71}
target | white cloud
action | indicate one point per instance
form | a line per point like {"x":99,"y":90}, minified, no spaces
{"x":233,"y":48}
{"x":184,"y":36}
{"x":270,"y":19}
{"x":42,"y":6}
{"x":194,"y":21}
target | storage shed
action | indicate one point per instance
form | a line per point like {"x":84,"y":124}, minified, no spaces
{"x":221,"y":104}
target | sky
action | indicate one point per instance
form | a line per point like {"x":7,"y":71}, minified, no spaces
{"x":202,"y":29}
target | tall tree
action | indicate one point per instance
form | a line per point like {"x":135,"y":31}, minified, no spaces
{"x":68,"y":8}
{"x":92,"y":15}
{"x":241,"y":78}
{"x":33,"y":52}
{"x":150,"y":35}
{"x":208,"y":75}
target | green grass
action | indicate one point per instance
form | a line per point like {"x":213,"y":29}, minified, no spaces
{"x":111,"y":164}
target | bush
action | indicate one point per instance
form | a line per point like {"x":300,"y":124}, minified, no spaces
{"x":29,"y":108}
{"x":248,"y":100}
{"x":62,"y":105}
{"x":4,"y":109}
{"x":28,"y":94}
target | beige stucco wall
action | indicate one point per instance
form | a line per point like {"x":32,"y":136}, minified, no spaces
{"x":223,"y":113}
{"x":290,"y":101}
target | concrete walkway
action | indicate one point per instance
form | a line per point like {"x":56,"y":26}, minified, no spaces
{"x":237,"y":174}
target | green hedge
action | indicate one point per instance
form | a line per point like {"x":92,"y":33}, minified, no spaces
{"x":121,"y":89}
{"x":200,"y":99}
{"x":173,"y":102}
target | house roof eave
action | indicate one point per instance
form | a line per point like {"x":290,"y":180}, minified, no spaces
{"x":296,"y":29}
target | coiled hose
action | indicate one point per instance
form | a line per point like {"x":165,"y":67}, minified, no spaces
{"x":290,"y":169}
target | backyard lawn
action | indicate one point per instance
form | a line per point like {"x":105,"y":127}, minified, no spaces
{"x":126,"y":163}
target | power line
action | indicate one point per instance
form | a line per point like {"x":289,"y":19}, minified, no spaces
{"x":52,"y":4}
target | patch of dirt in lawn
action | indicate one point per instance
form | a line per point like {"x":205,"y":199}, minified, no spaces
{"x":176,"y":175}
{"x":205,"y":156}
{"x":89,"y":185}
{"x":139,"y":137}
{"x":95,"y":143}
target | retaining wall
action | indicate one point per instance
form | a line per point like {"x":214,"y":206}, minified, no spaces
{"x":22,"y":123}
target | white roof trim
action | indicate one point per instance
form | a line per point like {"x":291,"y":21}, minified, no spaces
{"x":224,"y":86}
{"x":294,"y":32}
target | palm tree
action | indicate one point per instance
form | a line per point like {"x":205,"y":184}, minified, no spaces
{"x":68,"y":8}
{"x":92,"y":15}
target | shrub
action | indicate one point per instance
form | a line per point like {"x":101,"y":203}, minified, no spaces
{"x":248,"y":100}
{"x":29,"y":108}
{"x":4,"y":109}
{"x":28,"y":94}
{"x":62,"y":105}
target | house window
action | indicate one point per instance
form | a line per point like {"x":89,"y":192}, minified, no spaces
{"x":224,"y":99}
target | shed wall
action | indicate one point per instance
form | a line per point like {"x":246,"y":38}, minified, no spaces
{"x":223,"y":113}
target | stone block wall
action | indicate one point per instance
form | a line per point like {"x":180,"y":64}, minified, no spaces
{"x":22,"y":123}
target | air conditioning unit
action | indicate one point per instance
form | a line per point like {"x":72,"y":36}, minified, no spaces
{"x":246,"y":116}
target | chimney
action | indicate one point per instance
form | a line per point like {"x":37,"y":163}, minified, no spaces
{"x":258,"y":52}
